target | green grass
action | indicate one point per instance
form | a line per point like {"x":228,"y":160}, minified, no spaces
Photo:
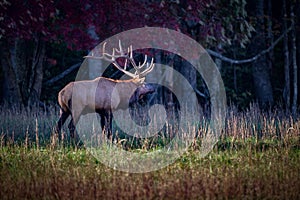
{"x":257,"y":157}
{"x":65,"y":173}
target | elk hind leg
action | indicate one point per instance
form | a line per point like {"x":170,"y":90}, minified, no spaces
{"x":62,"y":119}
{"x":72,"y":125}
{"x":74,"y":137}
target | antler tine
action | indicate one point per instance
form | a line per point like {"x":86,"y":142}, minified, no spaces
{"x":137,"y":69}
{"x":106,"y":56}
{"x":142,"y":65}
{"x":113,"y":54}
{"x":120,"y":50}
{"x":125,"y":65}
{"x":103,"y":48}
{"x":130,"y":52}
{"x":149,"y":68}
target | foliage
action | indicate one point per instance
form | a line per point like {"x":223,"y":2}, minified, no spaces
{"x":238,"y":30}
{"x":81,"y":23}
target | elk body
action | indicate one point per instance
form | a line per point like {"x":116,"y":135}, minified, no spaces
{"x":103,"y":95}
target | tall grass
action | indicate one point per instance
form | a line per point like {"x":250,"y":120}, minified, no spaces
{"x":17,"y":125}
{"x":257,"y":156}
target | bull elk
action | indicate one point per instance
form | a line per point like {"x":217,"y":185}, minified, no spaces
{"x":82,"y":97}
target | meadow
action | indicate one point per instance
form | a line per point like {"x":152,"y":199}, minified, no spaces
{"x":257,"y":157}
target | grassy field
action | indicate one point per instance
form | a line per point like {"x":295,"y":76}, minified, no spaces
{"x":257,"y":157}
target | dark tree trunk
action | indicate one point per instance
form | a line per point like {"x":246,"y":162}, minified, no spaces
{"x":36,"y":73}
{"x":270,"y":38}
{"x":168,"y":96}
{"x":294,"y":62}
{"x":10,"y":88}
{"x":187,"y":70}
{"x":22,"y":65}
{"x":286,"y":90}
{"x":297,"y":31}
{"x":260,"y":69}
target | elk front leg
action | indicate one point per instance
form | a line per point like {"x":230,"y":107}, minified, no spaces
{"x":106,"y":122}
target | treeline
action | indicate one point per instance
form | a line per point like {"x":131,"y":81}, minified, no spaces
{"x":255,"y":44}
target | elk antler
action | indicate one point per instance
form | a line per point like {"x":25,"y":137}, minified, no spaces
{"x":119,"y":53}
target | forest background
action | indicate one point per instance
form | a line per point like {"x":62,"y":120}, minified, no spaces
{"x":255,"y":44}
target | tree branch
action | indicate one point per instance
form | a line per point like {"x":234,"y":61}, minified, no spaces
{"x":63,"y":74}
{"x":232,"y":61}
